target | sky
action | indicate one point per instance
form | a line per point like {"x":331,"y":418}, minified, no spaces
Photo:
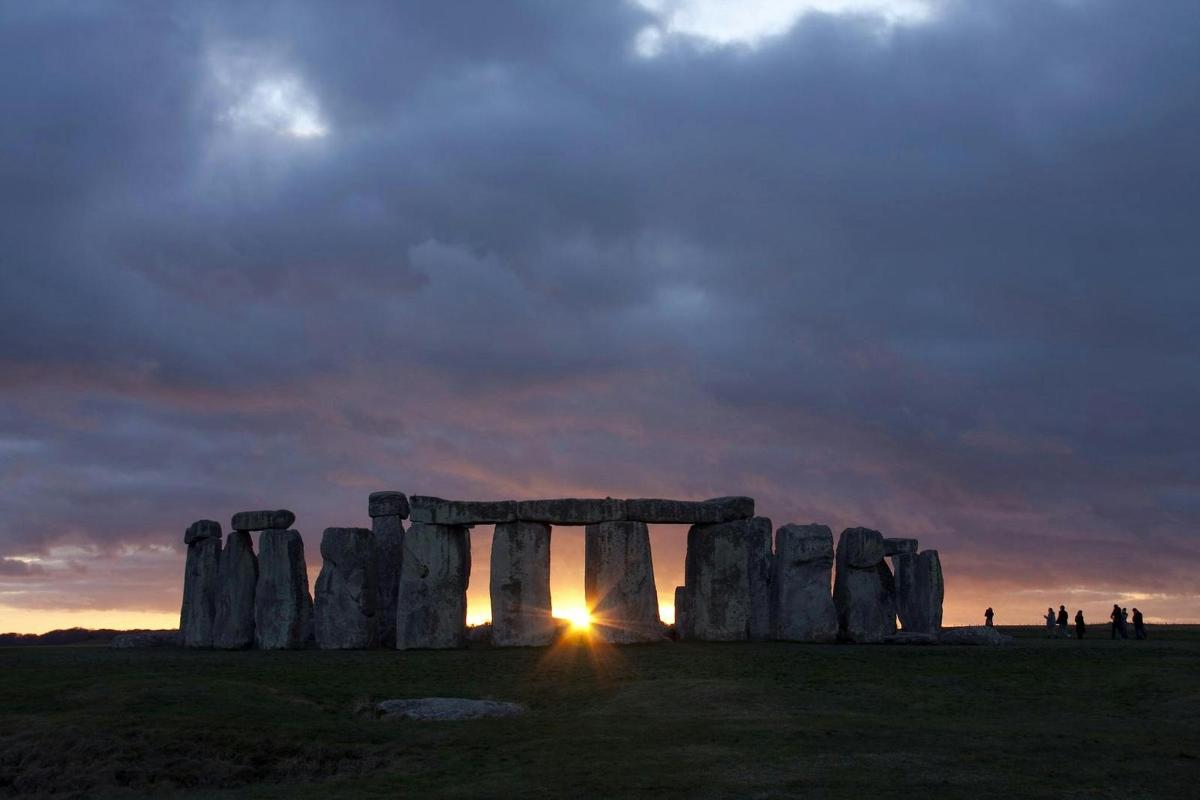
{"x":925,"y":267}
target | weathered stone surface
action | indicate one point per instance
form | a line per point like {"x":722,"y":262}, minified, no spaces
{"x":980,"y":635}
{"x":861,"y":548}
{"x":865,"y":596}
{"x":689,"y":512}
{"x":283,"y":607}
{"x":448,"y":709}
{"x":681,"y":613}
{"x":618,"y":581}
{"x":142,"y":640}
{"x":200,"y":581}
{"x":571,"y":511}
{"x":802,"y":607}
{"x":431,"y":611}
{"x":234,"y":627}
{"x":388,"y":504}
{"x":281,"y":519}
{"x":346,"y":591}
{"x":202,"y":529}
{"x":728,"y":581}
{"x":436,"y":511}
{"x":894,"y":547}
{"x":919,"y":591}
{"x":389,"y":558}
{"x":520,"y":586}
{"x":901,"y":637}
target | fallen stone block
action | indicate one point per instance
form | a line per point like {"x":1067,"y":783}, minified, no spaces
{"x":727,"y":577}
{"x":143,"y":640}
{"x":279,"y":520}
{"x":520,"y":585}
{"x":387,"y":504}
{"x":201,"y":573}
{"x":283,"y":607}
{"x":447,"y":709}
{"x":619,"y":582}
{"x":901,"y":637}
{"x":346,"y":590}
{"x":571,"y":511}
{"x":234,"y":626}
{"x":802,"y":607}
{"x":436,"y":511}
{"x":689,"y":512}
{"x":976,"y":635}
{"x":431,"y":611}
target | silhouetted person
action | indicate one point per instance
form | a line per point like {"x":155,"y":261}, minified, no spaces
{"x":1062,"y":623}
{"x":1139,"y":625}
{"x":1124,"y":623}
{"x":1115,"y":616}
{"x":1080,"y":626}
{"x":987,"y":616}
{"x":1050,"y":623}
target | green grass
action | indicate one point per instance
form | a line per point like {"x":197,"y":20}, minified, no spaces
{"x":1092,"y":719}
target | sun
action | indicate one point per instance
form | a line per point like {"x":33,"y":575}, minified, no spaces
{"x":579,"y":618}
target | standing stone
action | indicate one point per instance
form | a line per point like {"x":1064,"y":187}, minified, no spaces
{"x":727,"y":577}
{"x":346,"y":591}
{"x":802,"y":608}
{"x":283,"y":608}
{"x":681,"y":613}
{"x":200,"y":583}
{"x":388,"y":532}
{"x":431,"y":611}
{"x":520,"y":587}
{"x":919,"y":591}
{"x":234,"y":628}
{"x":618,"y":578}
{"x":864,"y":591}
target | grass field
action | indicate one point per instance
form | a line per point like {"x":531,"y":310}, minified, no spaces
{"x":1091,"y":719}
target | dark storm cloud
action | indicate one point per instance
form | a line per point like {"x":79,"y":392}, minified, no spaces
{"x":938,"y":279}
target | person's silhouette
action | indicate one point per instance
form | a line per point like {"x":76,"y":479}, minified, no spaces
{"x":1062,"y":623}
{"x":1139,"y":625}
{"x":1080,"y":625}
{"x":987,"y":616}
{"x":1115,"y":616}
{"x":1124,"y":623}
{"x":1050,"y":623}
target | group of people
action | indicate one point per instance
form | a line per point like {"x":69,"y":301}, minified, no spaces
{"x":1057,"y":624}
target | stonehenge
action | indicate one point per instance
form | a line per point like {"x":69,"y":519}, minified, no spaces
{"x":200,"y":576}
{"x":346,"y":590}
{"x":727,"y":581}
{"x":864,"y":591}
{"x":386,"y":586}
{"x":520,"y":587}
{"x":387,"y":510}
{"x":802,"y":609}
{"x":234,"y":627}
{"x":283,"y":608}
{"x":431,"y":608}
{"x":919,"y":591}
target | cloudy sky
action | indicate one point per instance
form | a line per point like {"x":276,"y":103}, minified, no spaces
{"x":928,"y":267}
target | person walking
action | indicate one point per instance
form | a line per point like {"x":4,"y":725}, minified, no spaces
{"x":987,"y":616}
{"x":1124,"y":623}
{"x":1062,"y":624}
{"x":1080,"y":625}
{"x":1115,"y":616}
{"x":1050,"y":623}
{"x":1139,"y":625}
